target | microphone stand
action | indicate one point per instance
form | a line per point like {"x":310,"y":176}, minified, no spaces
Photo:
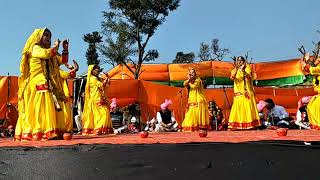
{"x":180,"y":92}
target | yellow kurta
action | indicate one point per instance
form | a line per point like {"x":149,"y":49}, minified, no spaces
{"x":197,"y":115}
{"x":96,"y":115}
{"x":313,"y":108}
{"x":244,"y":113}
{"x":37,"y":118}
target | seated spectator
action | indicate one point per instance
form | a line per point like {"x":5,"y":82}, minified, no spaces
{"x":278,"y":115}
{"x":165,"y":121}
{"x":131,"y":116}
{"x":216,"y":117}
{"x":116,"y":114}
{"x":165,"y":118}
{"x":302,"y":116}
{"x":7,"y":132}
{"x":263,"y":114}
{"x":118,"y":122}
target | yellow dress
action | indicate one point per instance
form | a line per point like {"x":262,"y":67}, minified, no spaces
{"x":96,"y":115}
{"x":197,"y":115}
{"x":244,"y":113}
{"x":66,"y":104}
{"x":38,"y":118}
{"x":313,"y":108}
{"x":58,"y":78}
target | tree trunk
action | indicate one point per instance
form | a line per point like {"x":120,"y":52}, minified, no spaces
{"x":137,"y":72}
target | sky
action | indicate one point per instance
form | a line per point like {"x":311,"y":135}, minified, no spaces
{"x":270,"y":30}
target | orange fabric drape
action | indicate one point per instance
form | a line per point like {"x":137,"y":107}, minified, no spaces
{"x":151,"y":95}
{"x":9,"y":112}
{"x":173,"y":72}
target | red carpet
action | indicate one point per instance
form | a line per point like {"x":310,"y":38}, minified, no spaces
{"x":173,"y":138}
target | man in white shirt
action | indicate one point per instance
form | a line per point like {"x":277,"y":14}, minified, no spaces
{"x":165,"y":121}
{"x":278,"y":115}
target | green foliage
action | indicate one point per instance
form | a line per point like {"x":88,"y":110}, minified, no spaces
{"x":93,"y":39}
{"x":204,"y":52}
{"x":213,"y":51}
{"x":184,"y":58}
{"x":128,"y":26}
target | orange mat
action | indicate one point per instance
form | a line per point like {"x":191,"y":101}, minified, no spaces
{"x":173,"y":138}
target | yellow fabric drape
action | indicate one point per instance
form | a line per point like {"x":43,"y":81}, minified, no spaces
{"x":244,"y":113}
{"x":96,"y":115}
{"x":197,"y":115}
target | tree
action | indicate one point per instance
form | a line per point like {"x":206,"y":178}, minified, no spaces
{"x":218,"y":53}
{"x":92,"y":39}
{"x":137,"y":20}
{"x":204,"y":53}
{"x":117,"y":50}
{"x":184,"y":58}
{"x":213,"y":51}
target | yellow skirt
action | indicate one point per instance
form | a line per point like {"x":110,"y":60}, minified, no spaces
{"x":23,"y":129}
{"x":244,"y":113}
{"x":197,"y":117}
{"x":314,"y":112}
{"x":64,"y":118}
{"x":96,"y":120}
{"x":42,"y":113}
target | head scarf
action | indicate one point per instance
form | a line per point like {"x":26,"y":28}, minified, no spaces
{"x":165,"y":104}
{"x":113,"y":103}
{"x":87,"y":93}
{"x":304,"y":100}
{"x":261,"y":105}
{"x":87,"y":89}
{"x":34,"y":38}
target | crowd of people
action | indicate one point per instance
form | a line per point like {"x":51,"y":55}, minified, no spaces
{"x":45,"y":113}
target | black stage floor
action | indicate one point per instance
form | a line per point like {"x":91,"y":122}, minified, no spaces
{"x":252,"y":160}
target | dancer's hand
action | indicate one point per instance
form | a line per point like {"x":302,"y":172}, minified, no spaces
{"x":56,"y":44}
{"x":306,"y":57}
{"x":254,"y":75}
{"x":303,"y":64}
{"x":107,"y":79}
{"x":75,"y":65}
{"x":189,"y":77}
{"x":68,"y":66}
